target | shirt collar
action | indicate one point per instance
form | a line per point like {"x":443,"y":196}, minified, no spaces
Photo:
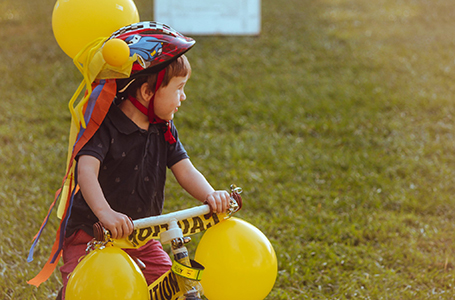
{"x":120,"y":121}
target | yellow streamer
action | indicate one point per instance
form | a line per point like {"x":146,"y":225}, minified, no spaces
{"x":94,"y":67}
{"x":92,"y":48}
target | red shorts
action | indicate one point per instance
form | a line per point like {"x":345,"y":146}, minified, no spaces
{"x":156,"y":260}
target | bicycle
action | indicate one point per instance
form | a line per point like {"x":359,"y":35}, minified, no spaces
{"x":183,"y":280}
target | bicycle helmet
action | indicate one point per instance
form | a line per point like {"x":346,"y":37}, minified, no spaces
{"x":156,"y":45}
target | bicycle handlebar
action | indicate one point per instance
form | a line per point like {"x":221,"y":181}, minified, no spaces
{"x":178,"y":216}
{"x":156,"y":221}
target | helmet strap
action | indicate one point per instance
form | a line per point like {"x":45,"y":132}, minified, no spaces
{"x":151,"y":112}
{"x":138,"y":105}
{"x":153,"y":119}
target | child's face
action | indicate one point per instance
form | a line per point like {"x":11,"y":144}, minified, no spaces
{"x":169,"y":98}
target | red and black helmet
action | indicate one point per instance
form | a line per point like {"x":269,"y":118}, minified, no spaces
{"x":156,"y":45}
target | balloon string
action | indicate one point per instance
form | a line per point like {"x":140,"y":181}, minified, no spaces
{"x":77,"y":112}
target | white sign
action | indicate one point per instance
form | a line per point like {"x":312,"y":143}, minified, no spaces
{"x":210,"y":17}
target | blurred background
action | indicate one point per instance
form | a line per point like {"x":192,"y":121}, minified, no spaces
{"x":337,"y":120}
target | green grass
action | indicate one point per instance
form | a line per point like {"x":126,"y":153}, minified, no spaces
{"x":337,"y":121}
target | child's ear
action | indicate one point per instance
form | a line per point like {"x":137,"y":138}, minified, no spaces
{"x":145,"y":92}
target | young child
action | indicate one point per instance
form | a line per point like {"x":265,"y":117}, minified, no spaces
{"x":121,"y":170}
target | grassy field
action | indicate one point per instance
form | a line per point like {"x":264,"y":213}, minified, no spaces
{"x":337,"y":121}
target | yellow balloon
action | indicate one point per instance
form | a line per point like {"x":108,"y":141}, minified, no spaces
{"x":116,"y":52}
{"x":240,"y":263}
{"x":76,"y":23}
{"x":107,"y":274}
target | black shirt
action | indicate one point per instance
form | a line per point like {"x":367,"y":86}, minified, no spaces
{"x":133,"y":168}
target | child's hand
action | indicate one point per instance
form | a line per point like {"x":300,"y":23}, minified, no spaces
{"x":218,"y":201}
{"x":118,"y":224}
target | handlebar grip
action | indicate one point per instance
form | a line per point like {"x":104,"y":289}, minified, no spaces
{"x":237,"y":198}
{"x":99,"y":231}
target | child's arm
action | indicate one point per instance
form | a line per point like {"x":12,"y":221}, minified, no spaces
{"x":197,"y":186}
{"x":117,"y":223}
